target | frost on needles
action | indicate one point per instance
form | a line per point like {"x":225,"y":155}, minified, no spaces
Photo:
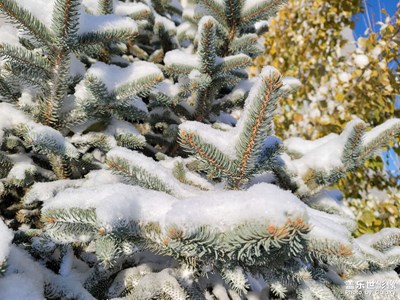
{"x":138,"y":161}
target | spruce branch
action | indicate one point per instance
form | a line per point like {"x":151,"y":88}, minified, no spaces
{"x":207,"y":47}
{"x":31,"y":63}
{"x":235,"y":277}
{"x":139,"y":87}
{"x":215,"y":9}
{"x":7,"y":91}
{"x":131,"y":141}
{"x":60,"y":166}
{"x":107,"y":251}
{"x":5,"y":164}
{"x":231,"y":63}
{"x":162,"y":285}
{"x":58,"y":86}
{"x":24,"y":20}
{"x":71,"y":215}
{"x":137,"y":175}
{"x":353,"y":148}
{"x":218,"y":162}
{"x":254,"y":243}
{"x":65,"y":21}
{"x":262,"y":10}
{"x":106,"y":7}
{"x":370,"y":148}
{"x":246,"y":44}
{"x":272,"y":147}
{"x":232,"y":11}
{"x":258,"y":123}
{"x":89,"y":39}
{"x":17,"y":72}
{"x":179,"y":172}
{"x":143,"y":12}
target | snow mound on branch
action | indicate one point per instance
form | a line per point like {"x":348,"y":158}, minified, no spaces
{"x":43,"y":10}
{"x":225,"y":209}
{"x":323,"y":154}
{"x":11,"y":116}
{"x":90,"y":23}
{"x":218,"y":209}
{"x":5,"y":241}
{"x":378,"y":130}
{"x":224,"y":140}
{"x":165,"y":174}
{"x":113,"y":76}
{"x":180,"y":57}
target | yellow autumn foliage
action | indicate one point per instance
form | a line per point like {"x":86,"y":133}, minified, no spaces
{"x":342,"y":78}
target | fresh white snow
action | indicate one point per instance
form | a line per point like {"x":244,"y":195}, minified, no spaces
{"x":376,"y":131}
{"x":6,"y":237}
{"x":90,"y":23}
{"x":263,"y":203}
{"x":11,"y":116}
{"x":179,"y":57}
{"x":113,"y":76}
{"x":137,"y":159}
{"x":323,"y":155}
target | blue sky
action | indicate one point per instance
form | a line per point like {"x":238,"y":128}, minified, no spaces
{"x":374,"y":15}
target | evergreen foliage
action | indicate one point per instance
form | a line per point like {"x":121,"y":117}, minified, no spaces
{"x":125,"y":174}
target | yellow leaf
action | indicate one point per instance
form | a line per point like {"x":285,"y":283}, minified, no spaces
{"x":339,"y":97}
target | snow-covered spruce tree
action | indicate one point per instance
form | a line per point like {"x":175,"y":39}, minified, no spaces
{"x":90,"y":91}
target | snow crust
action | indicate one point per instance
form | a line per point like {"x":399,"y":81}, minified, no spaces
{"x":76,"y":67}
{"x":328,"y":227}
{"x":115,"y":202}
{"x":166,"y":23}
{"x":225,"y":209}
{"x":43,"y":10}
{"x":91,"y":5}
{"x":374,"y":238}
{"x":42,"y":191}
{"x":219,"y":209}
{"x":329,"y":201}
{"x":22,"y":164}
{"x":118,"y":127}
